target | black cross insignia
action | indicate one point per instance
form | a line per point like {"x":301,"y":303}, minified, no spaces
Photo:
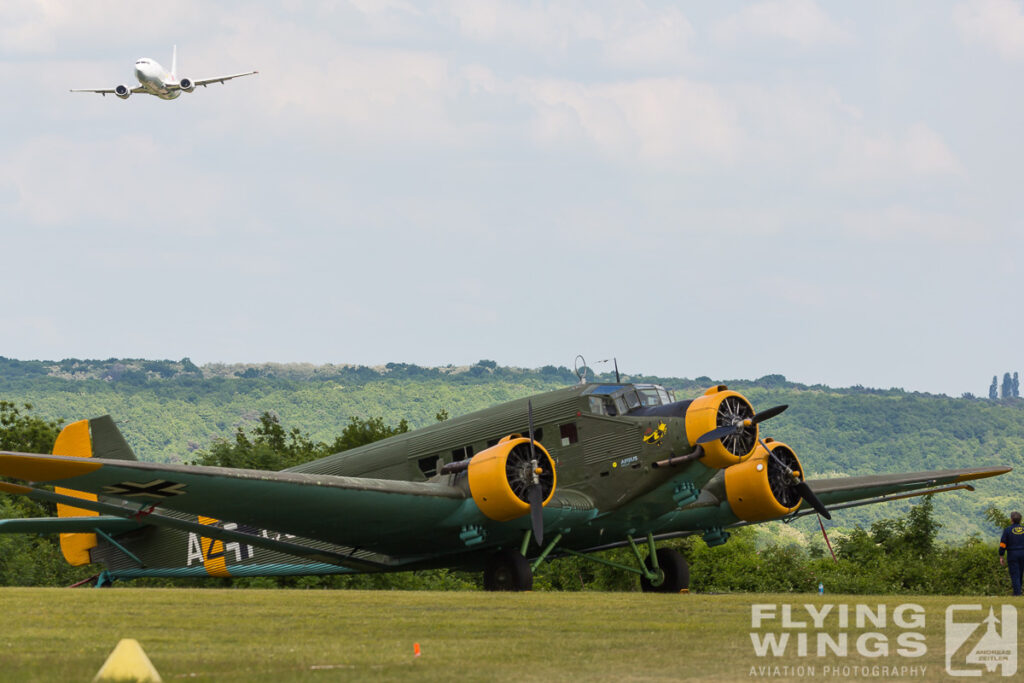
{"x":158,"y":488}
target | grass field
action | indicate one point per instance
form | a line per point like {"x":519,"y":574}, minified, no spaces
{"x":53,"y":634}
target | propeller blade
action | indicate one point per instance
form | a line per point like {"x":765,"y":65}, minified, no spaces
{"x":529,"y":415}
{"x":768,"y":414}
{"x":807,"y":494}
{"x":535,"y":495}
{"x":729,"y":430}
{"x":716,"y":434}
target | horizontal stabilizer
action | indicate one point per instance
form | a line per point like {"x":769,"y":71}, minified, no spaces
{"x":350,"y":558}
{"x":67,"y":525}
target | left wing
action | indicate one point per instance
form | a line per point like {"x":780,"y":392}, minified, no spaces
{"x":206,"y":81}
{"x":382,"y":515}
{"x":870,"y":489}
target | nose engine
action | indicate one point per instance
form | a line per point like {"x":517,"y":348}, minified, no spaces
{"x":765,"y":486}
{"x":716,"y":409}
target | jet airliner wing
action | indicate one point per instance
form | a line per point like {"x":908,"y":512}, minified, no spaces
{"x":107,"y":91}
{"x":206,"y":81}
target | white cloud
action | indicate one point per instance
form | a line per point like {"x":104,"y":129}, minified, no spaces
{"x":43,"y":26}
{"x":903,"y":222}
{"x":630,"y":35}
{"x":657,"y":119}
{"x":918,"y":152}
{"x":998,"y":24}
{"x":796,"y":21}
{"x":130,"y":181}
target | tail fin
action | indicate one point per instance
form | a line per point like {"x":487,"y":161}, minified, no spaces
{"x":97,"y":437}
{"x":174,"y":63}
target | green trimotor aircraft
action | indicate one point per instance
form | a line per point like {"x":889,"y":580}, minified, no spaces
{"x":568,"y":472}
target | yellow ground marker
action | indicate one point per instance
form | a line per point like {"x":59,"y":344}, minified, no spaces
{"x":128,"y":662}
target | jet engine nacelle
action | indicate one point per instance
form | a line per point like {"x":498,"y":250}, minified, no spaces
{"x":719,"y":407}
{"x":123,"y":91}
{"x":500,"y":476}
{"x":186,"y":84}
{"x":759,"y":488}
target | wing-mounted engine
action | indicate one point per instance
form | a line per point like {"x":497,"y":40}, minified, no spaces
{"x":717,"y":409}
{"x":501,"y":476}
{"x":187,"y":84}
{"x":123,"y":91}
{"x":765,"y":486}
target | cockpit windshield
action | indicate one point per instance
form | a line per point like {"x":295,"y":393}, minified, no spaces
{"x":622,"y":399}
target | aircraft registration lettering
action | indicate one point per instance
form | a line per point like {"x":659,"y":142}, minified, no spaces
{"x":213,"y":553}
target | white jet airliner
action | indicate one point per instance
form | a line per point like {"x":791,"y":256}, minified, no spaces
{"x":155,"y":80}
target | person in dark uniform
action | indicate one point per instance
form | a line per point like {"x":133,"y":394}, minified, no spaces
{"x":1011,"y":550}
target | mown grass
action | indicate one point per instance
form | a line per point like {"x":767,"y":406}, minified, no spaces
{"x":51,"y":634}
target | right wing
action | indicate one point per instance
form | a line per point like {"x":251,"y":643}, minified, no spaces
{"x":109,"y":91}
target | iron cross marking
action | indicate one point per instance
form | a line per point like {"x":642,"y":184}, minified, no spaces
{"x":158,"y":489}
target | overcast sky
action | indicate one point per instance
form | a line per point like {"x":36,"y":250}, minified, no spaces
{"x":830,"y":191}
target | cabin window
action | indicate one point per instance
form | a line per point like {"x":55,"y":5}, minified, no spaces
{"x":649,"y":397}
{"x":569,"y":434}
{"x":462,"y":453}
{"x":620,"y":406}
{"x":428,"y":465}
{"x":632,"y":400}
{"x":665,"y":398}
{"x":596,"y":405}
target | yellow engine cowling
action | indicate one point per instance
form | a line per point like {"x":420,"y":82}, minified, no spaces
{"x":716,"y":408}
{"x":500,"y":476}
{"x":759,"y":488}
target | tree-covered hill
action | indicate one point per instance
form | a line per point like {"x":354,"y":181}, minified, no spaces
{"x":169,"y":410}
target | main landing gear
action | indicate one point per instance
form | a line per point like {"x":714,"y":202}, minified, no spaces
{"x":673,"y":569}
{"x":664,"y":570}
{"x":508,"y":570}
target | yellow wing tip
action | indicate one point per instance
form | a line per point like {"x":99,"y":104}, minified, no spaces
{"x":31,"y":467}
{"x":984,"y":473}
{"x":15,"y":489}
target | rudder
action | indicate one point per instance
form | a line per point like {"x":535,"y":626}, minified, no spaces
{"x":98,"y":437}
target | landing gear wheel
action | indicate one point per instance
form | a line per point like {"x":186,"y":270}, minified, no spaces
{"x":675,"y":569}
{"x":507,"y":570}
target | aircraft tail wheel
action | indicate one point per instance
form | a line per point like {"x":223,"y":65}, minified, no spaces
{"x":676,"y":572}
{"x":507,"y":570}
